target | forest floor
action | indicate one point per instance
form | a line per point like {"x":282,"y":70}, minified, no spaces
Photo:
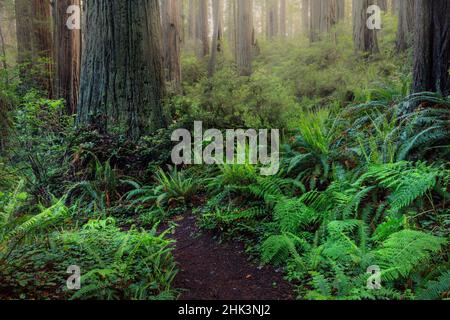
{"x":210,"y":270}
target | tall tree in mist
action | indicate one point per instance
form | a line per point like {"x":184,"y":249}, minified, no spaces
{"x":67,"y":48}
{"x":34,"y":42}
{"x":315,"y":14}
{"x":203,"y":30}
{"x":244,"y":33}
{"x":272,"y":18}
{"x":191,"y":23}
{"x":405,"y":25}
{"x":340,"y":10}
{"x":217,"y":35}
{"x":171,"y":25}
{"x":305,"y":16}
{"x":432,"y":52}
{"x":122,"y":82}
{"x":365,"y":39}
{"x":283,"y":18}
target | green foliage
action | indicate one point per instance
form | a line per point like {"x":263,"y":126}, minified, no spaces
{"x":134,"y":265}
{"x":404,"y":251}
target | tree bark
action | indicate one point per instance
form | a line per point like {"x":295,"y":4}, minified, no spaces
{"x":203,"y":27}
{"x":244,"y":37}
{"x":405,"y":25}
{"x":67,"y":56}
{"x":305,"y":16}
{"x":340,"y":8}
{"x":34,"y":43}
{"x":272,"y":18}
{"x":432,"y":48}
{"x":171,"y":24}
{"x":217,"y":35}
{"x":314,"y":28}
{"x":365,"y":40}
{"x":383,"y":4}
{"x":283,"y":18}
{"x":122,"y":82}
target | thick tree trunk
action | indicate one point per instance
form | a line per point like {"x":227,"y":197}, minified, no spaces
{"x":67,"y":56}
{"x":171,"y":24}
{"x":405,"y":25}
{"x":217,"y":35}
{"x":244,"y":37}
{"x":365,"y":40}
{"x":122,"y":82}
{"x":432,"y":51}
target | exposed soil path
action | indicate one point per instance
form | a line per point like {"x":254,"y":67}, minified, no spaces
{"x":213,"y":271}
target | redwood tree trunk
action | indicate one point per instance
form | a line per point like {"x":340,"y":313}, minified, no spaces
{"x":203,"y":27}
{"x":432,"y":52}
{"x":217,"y":35}
{"x":67,"y":56}
{"x":244,"y":37}
{"x":122,"y":82}
{"x":305,"y":16}
{"x":405,"y":25}
{"x":365,"y":40}
{"x":171,"y":21}
{"x":283,"y":18}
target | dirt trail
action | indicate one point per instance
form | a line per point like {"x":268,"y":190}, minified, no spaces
{"x":213,"y":271}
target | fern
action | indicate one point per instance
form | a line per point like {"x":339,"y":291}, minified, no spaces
{"x":404,"y":252}
{"x":436,"y":289}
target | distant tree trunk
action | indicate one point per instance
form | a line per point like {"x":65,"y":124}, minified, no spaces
{"x":217,"y":35}
{"x":2,"y":49}
{"x":42,"y":42}
{"x":244,"y":37}
{"x":34,"y":43}
{"x":328,"y":10}
{"x":272,"y":18}
{"x":122,"y":81}
{"x":24,"y":32}
{"x":171,"y":24}
{"x":365,"y":40}
{"x":67,"y":56}
{"x":432,"y":50}
{"x":305,"y":16}
{"x":405,"y":25}
{"x":203,"y":27}
{"x":340,"y":7}
{"x":314,"y":29}
{"x":383,"y":4}
{"x":395,"y":5}
{"x":283,"y":18}
{"x":191,"y":20}
{"x":231,"y":25}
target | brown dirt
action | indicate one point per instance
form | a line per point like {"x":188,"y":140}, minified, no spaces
{"x":213,"y":271}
